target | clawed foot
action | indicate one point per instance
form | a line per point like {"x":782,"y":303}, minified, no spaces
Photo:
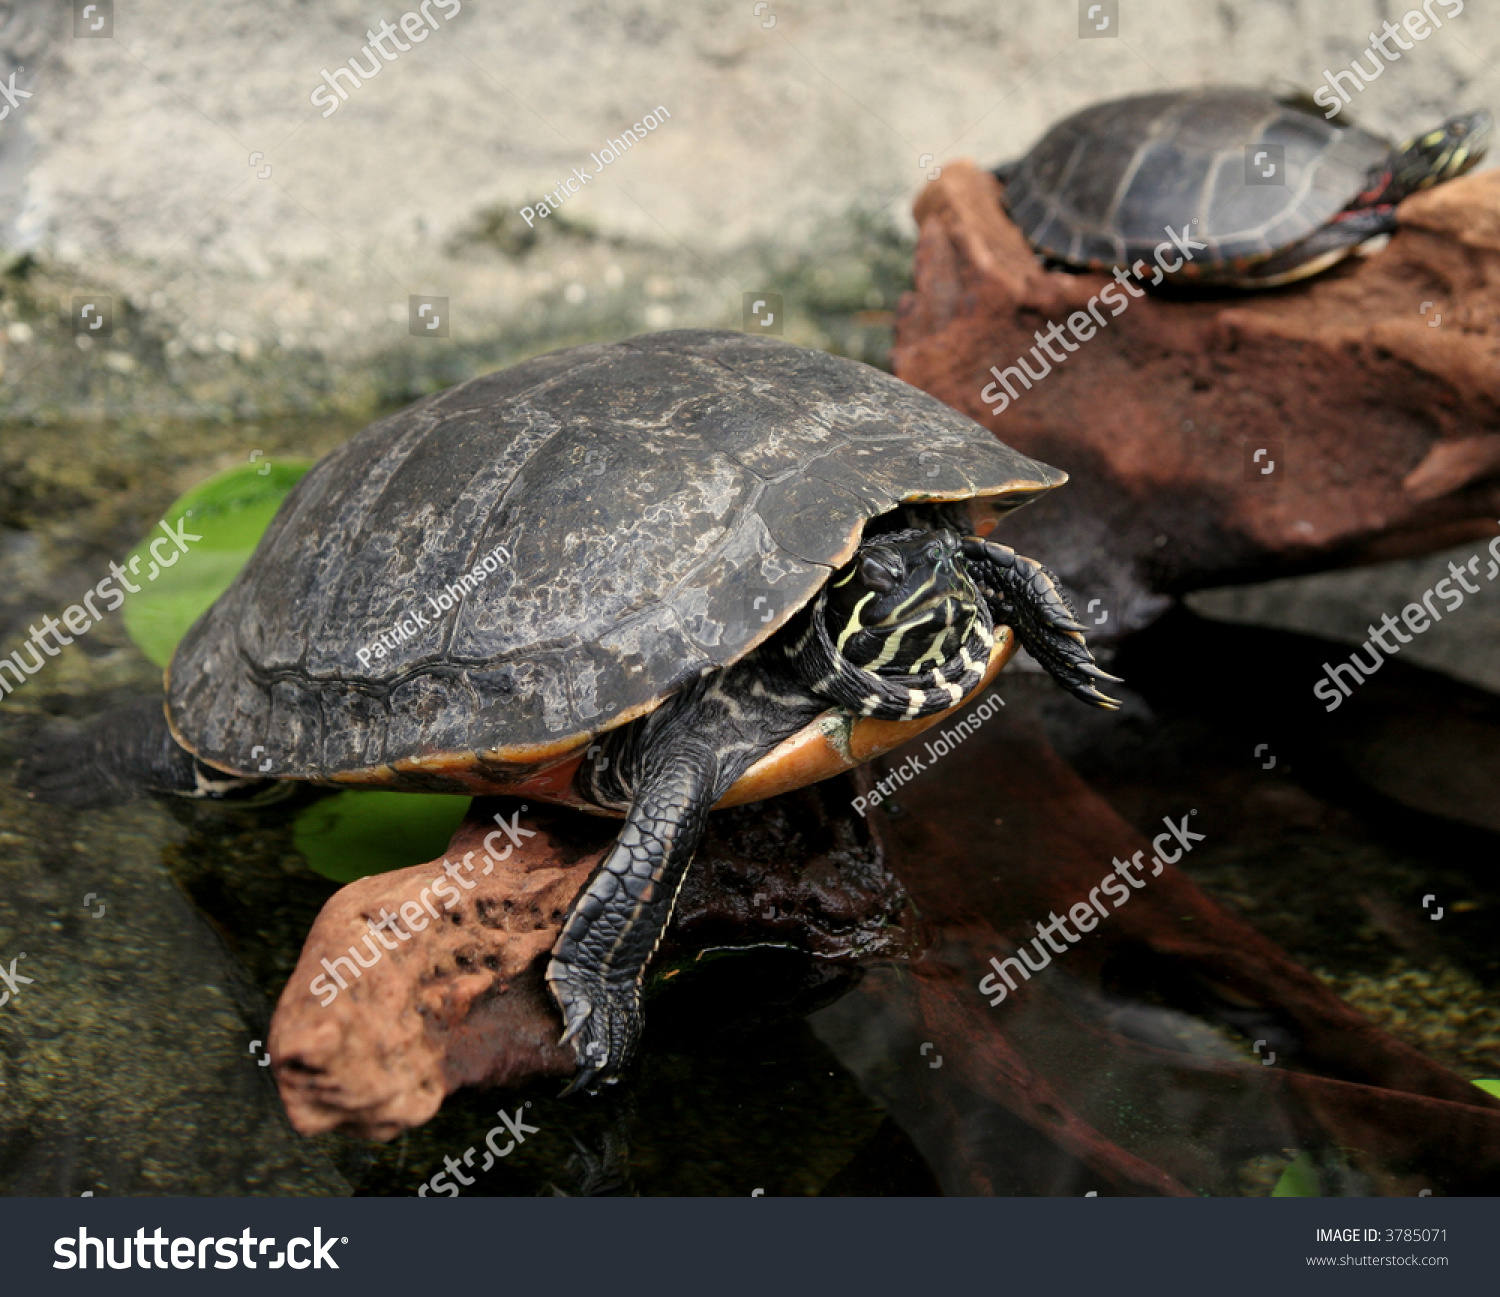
{"x":601,"y":1018}
{"x":1031,"y":601}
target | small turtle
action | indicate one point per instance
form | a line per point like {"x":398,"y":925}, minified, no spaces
{"x":1257,"y":191}
{"x":644,"y":579}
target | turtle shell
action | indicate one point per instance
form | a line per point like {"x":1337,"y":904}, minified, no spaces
{"x":1102,"y":186}
{"x":496,"y":574}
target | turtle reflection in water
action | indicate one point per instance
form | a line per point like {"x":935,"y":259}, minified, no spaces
{"x":1268,"y":190}
{"x":735,"y":567}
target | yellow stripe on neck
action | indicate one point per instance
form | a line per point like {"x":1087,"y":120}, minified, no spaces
{"x":854,"y":625}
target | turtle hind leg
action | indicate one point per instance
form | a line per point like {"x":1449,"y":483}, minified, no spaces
{"x":117,"y":756}
{"x":1027,"y":597}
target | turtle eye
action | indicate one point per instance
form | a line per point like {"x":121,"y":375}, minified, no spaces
{"x":880,"y":573}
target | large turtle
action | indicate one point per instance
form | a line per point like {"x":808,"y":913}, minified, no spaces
{"x":1221,"y":185}
{"x":645,"y":579}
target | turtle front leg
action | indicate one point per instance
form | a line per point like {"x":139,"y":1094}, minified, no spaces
{"x":599,"y":961}
{"x":669,"y":768}
{"x":1026,"y":596}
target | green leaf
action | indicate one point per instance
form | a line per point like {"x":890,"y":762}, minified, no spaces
{"x":1489,"y":1087}
{"x":230,"y":512}
{"x":1299,"y":1180}
{"x":357,"y":833}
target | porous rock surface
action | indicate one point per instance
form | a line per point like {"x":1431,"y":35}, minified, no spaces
{"x":464,"y":1002}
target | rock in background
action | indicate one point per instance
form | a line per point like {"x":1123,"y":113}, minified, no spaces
{"x":260,"y":257}
{"x":1341,"y":606}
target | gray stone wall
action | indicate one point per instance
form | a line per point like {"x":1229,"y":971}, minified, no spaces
{"x":261,"y":254}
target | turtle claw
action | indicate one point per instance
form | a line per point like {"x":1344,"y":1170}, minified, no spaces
{"x":1089,"y":694}
{"x":1068,"y":660}
{"x":1094,"y":671}
{"x":602,"y":1021}
{"x":1029,"y":598}
{"x":583,"y":1082}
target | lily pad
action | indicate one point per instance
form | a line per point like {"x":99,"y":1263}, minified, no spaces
{"x":229,"y":513}
{"x":357,"y":833}
{"x":1299,"y":1180}
{"x":1489,"y":1087}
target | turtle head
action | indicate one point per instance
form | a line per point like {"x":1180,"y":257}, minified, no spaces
{"x":1441,"y":154}
{"x":903,"y":603}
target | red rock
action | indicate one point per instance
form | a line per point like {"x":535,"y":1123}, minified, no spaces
{"x":463,"y":1002}
{"x":1381,"y":413}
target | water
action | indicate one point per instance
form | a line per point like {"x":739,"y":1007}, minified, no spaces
{"x":131,"y":1062}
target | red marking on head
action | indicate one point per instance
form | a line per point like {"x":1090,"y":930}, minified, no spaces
{"x":1366,"y":198}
